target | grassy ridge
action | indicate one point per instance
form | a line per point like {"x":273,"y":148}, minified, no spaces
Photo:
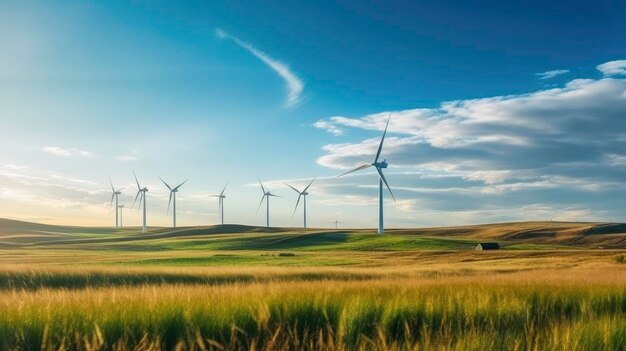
{"x":473,"y":313}
{"x":236,"y":237}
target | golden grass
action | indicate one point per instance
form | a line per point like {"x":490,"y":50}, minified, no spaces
{"x":342,"y":308}
{"x":99,"y":297}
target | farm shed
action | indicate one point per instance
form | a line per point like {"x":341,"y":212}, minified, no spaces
{"x":487,"y":246}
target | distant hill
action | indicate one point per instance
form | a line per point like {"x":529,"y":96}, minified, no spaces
{"x":520,"y":234}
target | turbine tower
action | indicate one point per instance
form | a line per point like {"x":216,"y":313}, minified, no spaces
{"x":121,"y":207}
{"x":173,"y":192}
{"x":141,"y":194}
{"x":301,"y":194}
{"x":115,"y":195}
{"x":379,"y":168}
{"x":220,"y":210}
{"x":266,"y":197}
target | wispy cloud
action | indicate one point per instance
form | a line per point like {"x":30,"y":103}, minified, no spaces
{"x":66,"y":152}
{"x":330,"y":127}
{"x":295,"y":86}
{"x":613,"y":68}
{"x":551,"y":74}
{"x":131,"y":156}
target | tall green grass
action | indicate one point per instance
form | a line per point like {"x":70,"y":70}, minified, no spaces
{"x":386,"y":314}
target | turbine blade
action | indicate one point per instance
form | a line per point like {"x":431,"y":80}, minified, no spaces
{"x":380,"y":147}
{"x":136,"y":196}
{"x":111,"y":182}
{"x":112,"y":197}
{"x":165,"y":184}
{"x":181,"y":184}
{"x":356,"y":169}
{"x":294,"y":189}
{"x":169,"y":202}
{"x":297,"y":203}
{"x":260,"y":203}
{"x":262,"y":187}
{"x":382,"y":176}
{"x":307,"y":187}
{"x":222,"y":193}
{"x":270,"y":194}
{"x":142,"y":199}
{"x":136,"y":180}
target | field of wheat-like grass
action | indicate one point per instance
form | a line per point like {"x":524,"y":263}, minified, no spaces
{"x":294,"y":308}
{"x":223,"y":288}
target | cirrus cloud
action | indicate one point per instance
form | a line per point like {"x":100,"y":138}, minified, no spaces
{"x":551,"y":74}
{"x":295,"y":86}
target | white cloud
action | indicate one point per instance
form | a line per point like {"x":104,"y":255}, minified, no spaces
{"x":332,"y":128}
{"x":551,"y":74}
{"x":616,"y":160}
{"x":66,"y":152}
{"x":564,"y":139}
{"x":16,"y":167}
{"x":613,"y":68}
{"x":132,"y":156}
{"x":295,"y":86}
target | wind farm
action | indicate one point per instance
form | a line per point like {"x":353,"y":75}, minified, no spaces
{"x":433,"y":175}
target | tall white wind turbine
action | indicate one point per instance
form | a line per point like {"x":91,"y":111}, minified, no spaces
{"x":141,"y":194}
{"x":173,"y":192}
{"x":301,"y":194}
{"x":379,"y":168}
{"x":220,"y":210}
{"x":115,"y":196}
{"x":266,"y":197}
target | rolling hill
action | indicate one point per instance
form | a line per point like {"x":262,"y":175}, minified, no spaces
{"x":529,"y":235}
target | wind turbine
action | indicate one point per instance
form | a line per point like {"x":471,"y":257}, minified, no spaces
{"x":336,"y":222}
{"x":379,"y":168}
{"x":266,"y":197}
{"x":173,"y":192}
{"x":115,"y":195}
{"x":221,"y":198}
{"x":141,"y":192}
{"x":121,"y":207}
{"x":301,"y":194}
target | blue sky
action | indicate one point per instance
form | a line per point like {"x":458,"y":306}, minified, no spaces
{"x":500,"y":111}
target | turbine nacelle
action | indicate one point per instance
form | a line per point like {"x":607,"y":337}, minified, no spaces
{"x":383,"y":164}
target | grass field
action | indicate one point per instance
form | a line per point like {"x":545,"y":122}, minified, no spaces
{"x":214,"y":288}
